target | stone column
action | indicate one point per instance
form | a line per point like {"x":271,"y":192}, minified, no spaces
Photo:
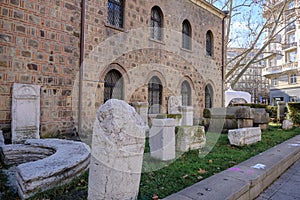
{"x":162,"y":139}
{"x":280,"y":111}
{"x":1,"y":139}
{"x":117,"y":152}
{"x":25,"y":112}
{"x":142,"y":109}
{"x":187,"y":115}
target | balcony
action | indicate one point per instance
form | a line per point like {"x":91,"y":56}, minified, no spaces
{"x":289,"y":45}
{"x":291,"y":28}
{"x":280,"y":69}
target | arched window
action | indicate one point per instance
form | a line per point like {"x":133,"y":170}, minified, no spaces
{"x":156,"y":23}
{"x":115,"y":12}
{"x":154,"y":95}
{"x":209,"y":43}
{"x":186,"y":35}
{"x":209,"y":94}
{"x":113,"y":85}
{"x":186,"y":94}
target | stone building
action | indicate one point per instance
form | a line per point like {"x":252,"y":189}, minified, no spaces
{"x":252,"y":81}
{"x":135,"y":50}
{"x":283,"y":67}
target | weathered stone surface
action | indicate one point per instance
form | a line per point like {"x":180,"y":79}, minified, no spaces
{"x":262,"y":126}
{"x":244,"y":136}
{"x":244,"y":112}
{"x":287,"y":124}
{"x":174,"y":103}
{"x":69,"y":159}
{"x":260,"y":116}
{"x":142,"y":109}
{"x":244,"y":123}
{"x":280,"y":111}
{"x":190,"y":138}
{"x":117,"y":152}
{"x":187,"y":115}
{"x":25,"y":112}
{"x":162,"y":139}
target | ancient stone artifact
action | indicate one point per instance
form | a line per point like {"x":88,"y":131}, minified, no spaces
{"x":190,"y":138}
{"x":117,"y":152}
{"x":174,"y":103}
{"x":162,"y":139}
{"x":244,"y":136}
{"x":287,"y":124}
{"x":187,"y":115}
{"x":25,"y":112}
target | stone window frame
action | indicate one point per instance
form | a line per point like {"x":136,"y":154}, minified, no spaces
{"x":156,"y":23}
{"x":209,"y":43}
{"x":186,"y":93}
{"x":115,"y":13}
{"x":186,"y":35}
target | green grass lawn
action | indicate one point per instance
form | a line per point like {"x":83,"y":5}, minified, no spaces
{"x":188,"y":169}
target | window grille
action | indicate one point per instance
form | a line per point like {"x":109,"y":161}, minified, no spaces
{"x":186,"y":34}
{"x":156,"y":23}
{"x":154,"y":95}
{"x":115,"y":12}
{"x":113,"y":85}
{"x":186,"y":93}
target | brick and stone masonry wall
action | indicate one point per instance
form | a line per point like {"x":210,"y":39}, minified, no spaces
{"x":139,"y":58}
{"x":40,"y":40}
{"x":39,"y":44}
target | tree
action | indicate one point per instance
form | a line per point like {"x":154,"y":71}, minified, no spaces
{"x":256,"y":34}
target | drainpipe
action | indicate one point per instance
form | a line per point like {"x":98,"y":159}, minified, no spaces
{"x":223,"y":59}
{"x":81,"y":57}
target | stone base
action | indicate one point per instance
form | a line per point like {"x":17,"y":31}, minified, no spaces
{"x":244,"y":123}
{"x":190,"y":138}
{"x":244,"y":136}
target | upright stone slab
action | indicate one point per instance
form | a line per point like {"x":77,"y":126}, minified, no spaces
{"x":174,"y":103}
{"x":162,"y":139}
{"x":1,"y":139}
{"x":187,"y":115}
{"x":280,"y":111}
{"x":117,"y":152}
{"x":25,"y":112}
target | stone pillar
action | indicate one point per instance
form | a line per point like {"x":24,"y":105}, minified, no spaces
{"x":25,"y":112}
{"x":187,"y":115}
{"x":1,"y":139}
{"x":174,"y":103}
{"x":142,"y":109}
{"x":117,"y":152}
{"x":162,"y":139}
{"x":280,"y":111}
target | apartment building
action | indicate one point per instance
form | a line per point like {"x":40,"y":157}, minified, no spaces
{"x":252,"y":81}
{"x":283,"y":66}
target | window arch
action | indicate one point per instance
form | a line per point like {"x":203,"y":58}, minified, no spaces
{"x":156,"y":23}
{"x":209,"y":94}
{"x":186,"y":35}
{"x":113,"y":85}
{"x":154,"y":95}
{"x":209,"y":43}
{"x":115,"y":12}
{"x":186,"y":94}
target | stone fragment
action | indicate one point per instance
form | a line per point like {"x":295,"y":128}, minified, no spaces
{"x":1,"y":139}
{"x":244,"y":136}
{"x":117,"y":152}
{"x":162,"y":139}
{"x":280,"y":110}
{"x":142,"y":109}
{"x":174,"y":103}
{"x":287,"y":124}
{"x":25,"y":112}
{"x":190,"y":138}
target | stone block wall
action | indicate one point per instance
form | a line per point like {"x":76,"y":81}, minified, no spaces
{"x":39,"y":44}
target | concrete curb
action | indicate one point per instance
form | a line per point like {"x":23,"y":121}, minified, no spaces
{"x":247,"y":179}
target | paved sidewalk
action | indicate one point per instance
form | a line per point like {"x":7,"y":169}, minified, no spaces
{"x":286,"y":187}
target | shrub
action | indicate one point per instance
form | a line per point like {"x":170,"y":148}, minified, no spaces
{"x":294,"y":112}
